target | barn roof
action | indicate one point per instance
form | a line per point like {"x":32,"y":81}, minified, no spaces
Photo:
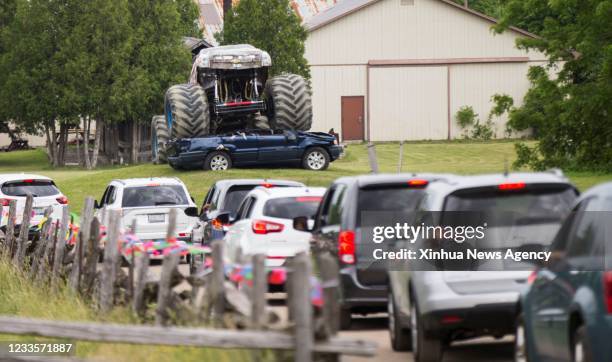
{"x":347,"y":7}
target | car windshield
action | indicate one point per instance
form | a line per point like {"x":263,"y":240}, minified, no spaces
{"x":292,"y":207}
{"x":147,"y":196}
{"x":35,"y":187}
{"x":378,"y":206}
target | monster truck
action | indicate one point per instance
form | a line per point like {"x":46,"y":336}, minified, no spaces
{"x":229,"y":90}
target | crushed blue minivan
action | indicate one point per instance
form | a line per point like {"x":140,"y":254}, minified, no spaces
{"x":311,"y":150}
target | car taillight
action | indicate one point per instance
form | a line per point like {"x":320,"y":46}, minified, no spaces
{"x":5,"y":202}
{"x":62,"y":200}
{"x":532,"y":277}
{"x":607,"y":279}
{"x":346,"y":246}
{"x":418,"y":183}
{"x":512,"y":186}
{"x":264,"y":227}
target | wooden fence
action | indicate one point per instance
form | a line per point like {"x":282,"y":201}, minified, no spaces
{"x":240,"y":315}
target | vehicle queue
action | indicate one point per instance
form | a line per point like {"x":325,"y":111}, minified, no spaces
{"x":559,"y":309}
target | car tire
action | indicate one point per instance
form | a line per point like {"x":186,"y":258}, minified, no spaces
{"x":217,"y":161}
{"x":316,"y":159}
{"x":581,"y":346}
{"x":159,"y":137}
{"x":186,"y":111}
{"x":424,"y":347}
{"x":400,"y":337}
{"x":345,"y":319}
{"x":289,"y":102}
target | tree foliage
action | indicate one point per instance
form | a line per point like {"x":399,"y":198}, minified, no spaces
{"x":273,"y":26}
{"x":570,"y":113}
{"x":64,"y":62}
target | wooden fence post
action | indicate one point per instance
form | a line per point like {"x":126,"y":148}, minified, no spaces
{"x":401,"y":157}
{"x":10,"y":228}
{"x":258,"y":292}
{"x":111,"y":256}
{"x":45,"y":263}
{"x":328,"y":269}
{"x":83,"y":237}
{"x":142,"y":268}
{"x":60,"y":247}
{"x":301,"y":307}
{"x":91,"y":258}
{"x":372,"y":157}
{"x":217,"y":288}
{"x":24,"y":231}
{"x":37,"y":258}
{"x":164,"y":293}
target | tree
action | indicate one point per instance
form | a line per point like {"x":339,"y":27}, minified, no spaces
{"x":570,"y":113}
{"x":273,"y":26}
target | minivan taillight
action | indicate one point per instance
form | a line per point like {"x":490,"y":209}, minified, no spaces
{"x":265,"y":227}
{"x":62,"y":200}
{"x":346,"y":246}
{"x":607,"y":280}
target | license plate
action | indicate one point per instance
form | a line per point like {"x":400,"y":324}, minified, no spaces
{"x":156,"y":218}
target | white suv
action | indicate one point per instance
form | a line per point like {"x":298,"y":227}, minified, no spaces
{"x":264,"y":223}
{"x":17,"y":185}
{"x":431,"y":306}
{"x":148,"y":201}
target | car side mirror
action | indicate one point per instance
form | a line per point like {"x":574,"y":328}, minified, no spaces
{"x":224,"y":218}
{"x":300,"y":223}
{"x":192,"y":211}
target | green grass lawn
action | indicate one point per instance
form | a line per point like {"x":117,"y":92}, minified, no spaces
{"x":454,"y":157}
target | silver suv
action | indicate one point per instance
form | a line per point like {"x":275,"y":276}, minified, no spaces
{"x":431,"y":307}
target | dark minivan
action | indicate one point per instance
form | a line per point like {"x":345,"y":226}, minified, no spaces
{"x":343,"y":224}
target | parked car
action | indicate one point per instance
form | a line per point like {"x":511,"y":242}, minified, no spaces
{"x":566,"y":312}
{"x":428,"y":309}
{"x":311,"y":150}
{"x":264,"y":223}
{"x":148,"y":201}
{"x":339,"y":226}
{"x":224,"y":197}
{"x":44,"y":191}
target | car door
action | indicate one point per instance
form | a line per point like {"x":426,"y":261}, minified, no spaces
{"x":237,"y":230}
{"x":106,"y":202}
{"x":327,"y":224}
{"x":552,"y":292}
{"x":244,"y":147}
{"x":273,"y":147}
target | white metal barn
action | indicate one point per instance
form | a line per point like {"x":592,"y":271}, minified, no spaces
{"x":389,"y":70}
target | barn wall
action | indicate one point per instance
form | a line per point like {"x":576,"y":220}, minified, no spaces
{"x":429,"y":29}
{"x":329,"y":84}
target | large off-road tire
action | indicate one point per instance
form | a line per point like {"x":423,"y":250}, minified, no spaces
{"x":289,"y":102}
{"x":187,"y":112}
{"x":159,"y":137}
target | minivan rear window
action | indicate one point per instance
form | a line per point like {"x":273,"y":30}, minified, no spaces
{"x":398,"y":200}
{"x":148,"y":196}
{"x":38,"y":188}
{"x":292,"y":207}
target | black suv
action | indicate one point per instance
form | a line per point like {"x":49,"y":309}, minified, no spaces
{"x":343,"y":224}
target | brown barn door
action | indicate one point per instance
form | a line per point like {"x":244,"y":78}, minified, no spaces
{"x":352,"y":118}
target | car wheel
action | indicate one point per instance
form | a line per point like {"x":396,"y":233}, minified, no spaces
{"x":520,"y":341}
{"x":400,"y":338}
{"x":581,"y":347}
{"x":424,"y":348}
{"x":218,"y":161}
{"x":316,"y":159}
{"x":345,"y":319}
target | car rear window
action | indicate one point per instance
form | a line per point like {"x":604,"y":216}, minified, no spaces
{"x":292,"y":207}
{"x":35,"y":187}
{"x":397,"y":200}
{"x":236,"y":194}
{"x":529,"y":206}
{"x":147,"y":196}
